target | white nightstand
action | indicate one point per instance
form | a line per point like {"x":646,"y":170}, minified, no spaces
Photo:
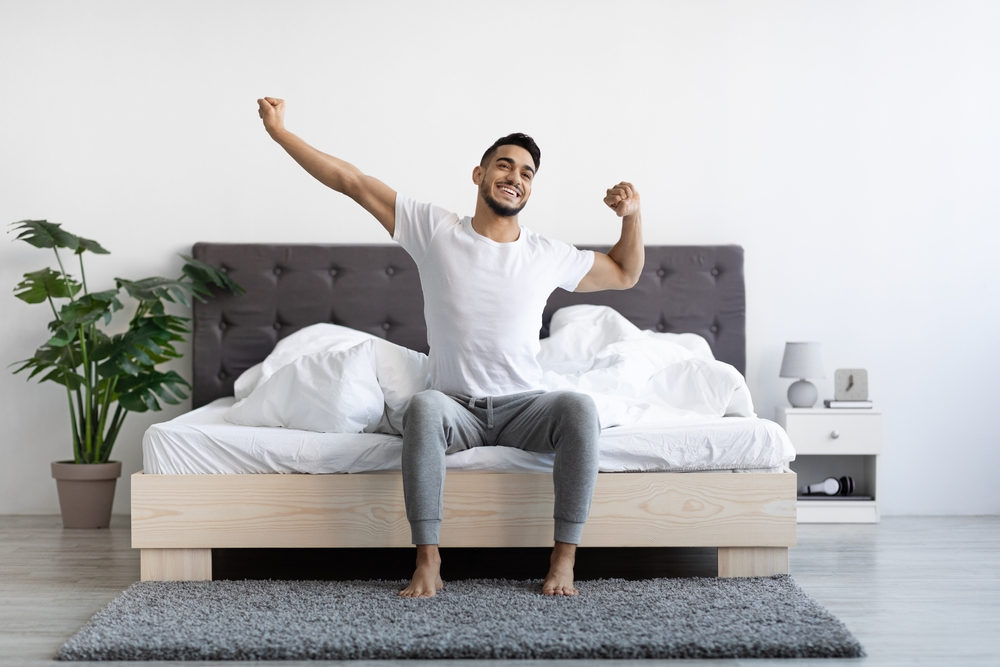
{"x":834,"y":443}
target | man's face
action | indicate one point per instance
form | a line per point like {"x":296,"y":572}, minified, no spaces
{"x":506,"y":180}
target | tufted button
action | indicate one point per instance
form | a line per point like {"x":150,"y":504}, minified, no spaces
{"x":222,"y":375}
{"x":333,"y":272}
{"x":385,"y":326}
{"x":222,"y":325}
{"x":223,"y":269}
{"x":715,"y":272}
{"x":659,"y":326}
{"x":714,"y":328}
{"x":277,"y":270}
{"x":661,"y":272}
{"x":277,"y":325}
{"x":390,"y":271}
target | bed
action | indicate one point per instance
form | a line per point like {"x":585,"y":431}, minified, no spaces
{"x":177,"y":519}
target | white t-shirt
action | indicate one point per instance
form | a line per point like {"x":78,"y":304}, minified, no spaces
{"x":483,"y":300}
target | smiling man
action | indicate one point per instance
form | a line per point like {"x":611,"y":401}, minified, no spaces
{"x":485,"y":281}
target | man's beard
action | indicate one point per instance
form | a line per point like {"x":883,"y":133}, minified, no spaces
{"x":500,"y":209}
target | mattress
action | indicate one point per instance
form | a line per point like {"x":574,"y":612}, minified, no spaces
{"x":203,"y":442}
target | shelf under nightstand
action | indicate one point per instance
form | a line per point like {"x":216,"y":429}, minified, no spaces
{"x":833,"y":443}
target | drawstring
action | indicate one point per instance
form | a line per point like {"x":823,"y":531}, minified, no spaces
{"x":489,"y":409}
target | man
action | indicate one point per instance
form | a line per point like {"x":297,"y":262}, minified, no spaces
{"x":485,"y":281}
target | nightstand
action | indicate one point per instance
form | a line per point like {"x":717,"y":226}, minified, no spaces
{"x":834,"y":443}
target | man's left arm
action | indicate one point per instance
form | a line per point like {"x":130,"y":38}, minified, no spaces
{"x":622,"y":266}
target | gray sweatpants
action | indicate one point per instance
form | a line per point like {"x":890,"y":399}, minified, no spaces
{"x":436,"y":424}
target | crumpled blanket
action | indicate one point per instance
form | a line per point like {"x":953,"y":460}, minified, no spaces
{"x":334,"y":379}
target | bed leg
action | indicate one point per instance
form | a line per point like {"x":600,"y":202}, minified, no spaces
{"x":752,"y":561}
{"x":175,"y":564}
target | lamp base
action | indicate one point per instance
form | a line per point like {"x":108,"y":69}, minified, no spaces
{"x":802,"y":394}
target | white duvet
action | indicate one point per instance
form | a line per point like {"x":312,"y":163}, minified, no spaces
{"x":332,"y":379}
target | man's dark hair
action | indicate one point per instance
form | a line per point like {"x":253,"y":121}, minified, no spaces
{"x":516,"y":139}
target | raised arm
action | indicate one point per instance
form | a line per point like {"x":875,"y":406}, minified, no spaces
{"x":374,"y":196}
{"x":622,"y":266}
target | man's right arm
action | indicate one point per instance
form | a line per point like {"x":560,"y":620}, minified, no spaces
{"x":374,"y":196}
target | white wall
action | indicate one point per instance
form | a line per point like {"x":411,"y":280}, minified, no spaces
{"x":851,"y":148}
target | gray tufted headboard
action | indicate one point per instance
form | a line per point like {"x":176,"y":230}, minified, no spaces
{"x":375,"y":288}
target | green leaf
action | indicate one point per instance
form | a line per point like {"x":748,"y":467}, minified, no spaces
{"x":156,"y":289}
{"x":45,"y":234}
{"x":59,"y":360}
{"x":204,"y":274}
{"x":172,"y":323}
{"x":91,"y":245}
{"x":83,"y":312}
{"x":65,"y":377}
{"x":41,"y":285}
{"x":136,"y":351}
{"x":90,"y":308}
{"x":63,"y":336}
{"x":139,"y":393}
{"x":96,"y":337}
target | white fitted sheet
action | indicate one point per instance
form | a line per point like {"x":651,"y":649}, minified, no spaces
{"x":203,"y":442}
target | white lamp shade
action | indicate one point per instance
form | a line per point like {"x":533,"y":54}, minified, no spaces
{"x":802,"y":360}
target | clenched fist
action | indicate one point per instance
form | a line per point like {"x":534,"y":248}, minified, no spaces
{"x":623,"y":199}
{"x":272,"y":111}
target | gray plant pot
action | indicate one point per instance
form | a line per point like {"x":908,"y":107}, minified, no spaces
{"x":86,"y":492}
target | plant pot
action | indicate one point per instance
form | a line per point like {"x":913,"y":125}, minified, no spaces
{"x":86,"y":492}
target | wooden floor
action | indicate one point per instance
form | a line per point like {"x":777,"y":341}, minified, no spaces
{"x":915,"y":591}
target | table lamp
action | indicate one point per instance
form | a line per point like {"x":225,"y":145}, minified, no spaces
{"x":802,"y":360}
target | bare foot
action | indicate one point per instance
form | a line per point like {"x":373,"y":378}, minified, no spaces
{"x":426,"y":580}
{"x":559,"y":580}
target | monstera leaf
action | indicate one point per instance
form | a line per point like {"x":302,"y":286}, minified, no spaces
{"x":45,"y":234}
{"x":59,"y":362}
{"x":152,"y":290}
{"x":92,"y":246}
{"x":203,"y":274}
{"x":146,"y":344}
{"x":46,"y":284}
{"x":83,"y":312}
{"x":139,"y":393}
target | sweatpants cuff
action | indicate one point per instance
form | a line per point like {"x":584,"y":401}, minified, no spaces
{"x":568,"y":531}
{"x":426,"y":532}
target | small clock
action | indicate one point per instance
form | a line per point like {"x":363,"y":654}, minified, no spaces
{"x":850,"y":384}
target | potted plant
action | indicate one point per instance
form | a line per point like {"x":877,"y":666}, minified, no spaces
{"x":105,"y":376}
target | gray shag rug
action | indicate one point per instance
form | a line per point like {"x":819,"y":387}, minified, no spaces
{"x":760,"y":617}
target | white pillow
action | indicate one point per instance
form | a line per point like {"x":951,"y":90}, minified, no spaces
{"x":248,"y":381}
{"x":329,"y":392}
{"x":310,"y":340}
{"x":322,"y":337}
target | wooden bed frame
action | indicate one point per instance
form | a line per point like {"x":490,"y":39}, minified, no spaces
{"x":178,"y":519}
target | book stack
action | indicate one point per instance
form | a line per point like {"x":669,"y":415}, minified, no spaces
{"x":834,"y":403}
